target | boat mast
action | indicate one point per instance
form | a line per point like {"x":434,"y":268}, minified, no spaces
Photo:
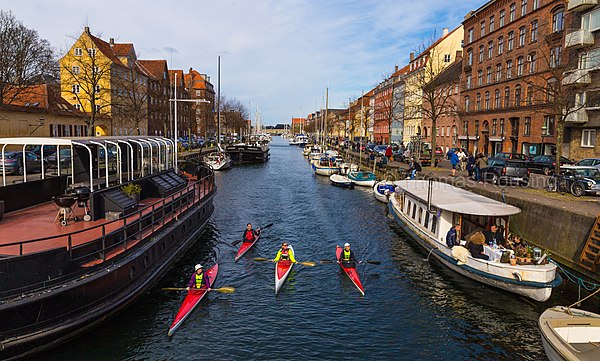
{"x":326,"y":109}
{"x":219,"y":104}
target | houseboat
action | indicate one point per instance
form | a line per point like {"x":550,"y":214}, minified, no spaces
{"x":84,"y":238}
{"x":243,"y":153}
{"x":428,"y":209}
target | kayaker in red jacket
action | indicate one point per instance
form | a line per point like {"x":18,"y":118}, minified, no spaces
{"x":199,"y":279}
{"x":347,"y":257}
{"x":285,"y":253}
{"x":250,"y":235}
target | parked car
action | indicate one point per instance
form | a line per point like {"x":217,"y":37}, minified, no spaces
{"x":369,"y":147}
{"x":380,"y":149}
{"x":65,"y":159}
{"x":578,"y":180}
{"x":515,"y":156}
{"x":589,"y":162}
{"x":545,"y":164}
{"x":506,"y":171}
{"x":13,"y":162}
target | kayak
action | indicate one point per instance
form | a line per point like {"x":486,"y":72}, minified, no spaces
{"x":282,"y":270}
{"x":245,"y":247}
{"x":351,"y":272}
{"x":192,"y":299}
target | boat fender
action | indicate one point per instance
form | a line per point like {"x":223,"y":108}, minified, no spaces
{"x":517,"y":276}
{"x":386,"y":192}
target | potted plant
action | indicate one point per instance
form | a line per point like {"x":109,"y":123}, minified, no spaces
{"x":513,"y":261}
{"x":132,"y":190}
{"x":529,"y":254}
{"x":521,"y":253}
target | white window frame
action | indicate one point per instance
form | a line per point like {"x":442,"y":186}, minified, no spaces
{"x":75,"y":88}
{"x":588,"y":138}
{"x":78,"y":52}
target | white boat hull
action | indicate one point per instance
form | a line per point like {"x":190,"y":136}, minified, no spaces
{"x":325,"y":171}
{"x":383,"y":198}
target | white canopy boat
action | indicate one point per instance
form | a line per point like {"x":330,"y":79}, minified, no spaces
{"x":325,"y":166}
{"x":364,"y":179}
{"x":570,"y":334}
{"x":428,"y":209}
{"x":383,"y":189}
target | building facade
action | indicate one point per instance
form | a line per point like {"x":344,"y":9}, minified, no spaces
{"x":200,"y":88}
{"x":158,"y":96}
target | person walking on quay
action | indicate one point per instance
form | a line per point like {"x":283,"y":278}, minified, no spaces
{"x":388,"y":152}
{"x":480,"y":163}
{"x":454,"y":160}
{"x":198,"y":279}
{"x":347,"y":258}
{"x":462,"y":159}
{"x":452,"y":237}
{"x":250,"y":235}
{"x":284,"y":254}
{"x":471,"y":165}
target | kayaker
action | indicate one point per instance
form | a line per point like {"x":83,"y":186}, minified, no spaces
{"x":285,"y":253}
{"x":347,"y":257}
{"x":199,"y":279}
{"x":250,"y":235}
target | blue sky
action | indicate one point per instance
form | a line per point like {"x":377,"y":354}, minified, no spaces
{"x":279,"y":55}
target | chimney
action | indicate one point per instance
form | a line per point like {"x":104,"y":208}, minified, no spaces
{"x":412,"y":56}
{"x":458,"y":57}
{"x":444,"y":32}
{"x":396,"y":69}
{"x":86,"y":30}
{"x":111,"y":41}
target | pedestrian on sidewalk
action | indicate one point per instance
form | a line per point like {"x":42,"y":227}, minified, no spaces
{"x":388,"y":152}
{"x":462,"y":157}
{"x":454,"y":160}
{"x":480,"y":163}
{"x":471,"y":165}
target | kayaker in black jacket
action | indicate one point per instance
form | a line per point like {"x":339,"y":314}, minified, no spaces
{"x":250,"y":235}
{"x":347,"y":257}
{"x":199,"y":279}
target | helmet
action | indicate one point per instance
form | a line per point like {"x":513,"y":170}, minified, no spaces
{"x":197,"y":267}
{"x":346,"y":244}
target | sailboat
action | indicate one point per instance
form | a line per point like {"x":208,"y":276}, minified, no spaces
{"x":218,"y":160}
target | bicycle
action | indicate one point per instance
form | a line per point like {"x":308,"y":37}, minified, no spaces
{"x":557,"y":183}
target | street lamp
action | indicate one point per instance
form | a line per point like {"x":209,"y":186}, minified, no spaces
{"x":544,"y":131}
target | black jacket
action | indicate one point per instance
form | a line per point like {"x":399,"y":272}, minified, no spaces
{"x":254,"y":234}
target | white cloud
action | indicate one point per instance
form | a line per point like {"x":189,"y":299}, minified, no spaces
{"x":279,"y":54}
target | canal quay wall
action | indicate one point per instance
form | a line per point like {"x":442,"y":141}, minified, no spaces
{"x":560,"y":226}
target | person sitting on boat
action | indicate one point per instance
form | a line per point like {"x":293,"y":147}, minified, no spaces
{"x":475,"y":246}
{"x":452,"y":238}
{"x":493,"y":237}
{"x":199,"y":279}
{"x":250,"y":234}
{"x":347,"y":257}
{"x":285,"y":254}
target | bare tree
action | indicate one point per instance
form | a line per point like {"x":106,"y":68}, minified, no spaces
{"x":131,"y":104}
{"x":387,"y":106}
{"x":234,"y":115}
{"x":25,"y":59}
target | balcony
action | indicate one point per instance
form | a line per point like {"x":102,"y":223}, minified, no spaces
{"x":578,"y":116}
{"x":579,"y":38}
{"x":581,"y":5}
{"x":577,"y":77}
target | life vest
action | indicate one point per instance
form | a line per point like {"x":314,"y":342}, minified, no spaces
{"x":285,"y":254}
{"x":345,"y":255}
{"x":199,"y":279}
{"x":249,"y":235}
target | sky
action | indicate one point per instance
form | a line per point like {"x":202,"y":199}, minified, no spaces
{"x":278,"y":56}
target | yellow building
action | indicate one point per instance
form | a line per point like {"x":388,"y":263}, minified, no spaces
{"x":422,"y":69}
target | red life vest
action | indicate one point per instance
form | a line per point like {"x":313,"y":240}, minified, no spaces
{"x":249,"y":235}
{"x":285,"y":254}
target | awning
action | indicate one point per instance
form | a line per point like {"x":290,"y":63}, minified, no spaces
{"x":496,"y":139}
{"x":470,"y":137}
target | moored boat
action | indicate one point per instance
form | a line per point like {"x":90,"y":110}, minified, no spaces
{"x":364,"y":179}
{"x":192,"y":299}
{"x":341,"y":181}
{"x":570,"y":334}
{"x":383,"y":189}
{"x":427,"y":211}
{"x":349,"y":271}
{"x":282,"y":270}
{"x":248,"y":153}
{"x":245,"y":247}
{"x":218,"y":160}
{"x":325,"y":166}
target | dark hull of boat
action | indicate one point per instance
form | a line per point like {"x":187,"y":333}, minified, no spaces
{"x":55,"y":314}
{"x":247,"y":154}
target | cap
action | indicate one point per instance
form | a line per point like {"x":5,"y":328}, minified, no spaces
{"x":346,"y":244}
{"x":197,"y":267}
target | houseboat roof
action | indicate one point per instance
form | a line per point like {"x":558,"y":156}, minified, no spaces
{"x":75,"y":140}
{"x":450,"y":198}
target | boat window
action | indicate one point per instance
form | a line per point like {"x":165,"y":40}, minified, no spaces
{"x":414,"y":211}
{"x":420,"y":214}
{"x":434,"y":224}
{"x":426,"y":220}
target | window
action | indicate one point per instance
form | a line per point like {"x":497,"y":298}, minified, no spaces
{"x":530,"y":95}
{"x":492,"y":20}
{"x":469,"y":81}
{"x":75,"y":88}
{"x":490,"y":49}
{"x":506,"y":97}
{"x":532,"y":62}
{"x":527,"y":126}
{"x":433,"y":223}
{"x":478,"y":102}
{"x":77,"y":52}
{"x":97,"y":89}
{"x":96,"y":70}
{"x":588,"y":138}
{"x":494,"y":126}
{"x":471,"y":35}
{"x":97,"y":108}
{"x":500,"y":45}
{"x":580,"y":100}
{"x":91,"y":52}
{"x":480,"y":77}
{"x":501,"y":126}
{"x":75,"y":70}
{"x":518,"y":96}
{"x":511,"y":40}
{"x":466,"y":126}
{"x":497,"y":99}
{"x":498,"y":72}
{"x":512,"y":9}
{"x":522,"y":34}
{"x":488,"y":75}
{"x":520,"y":66}
{"x":447,"y":58}
{"x":535,"y":4}
{"x":502,"y":15}
{"x":555,"y":55}
{"x":548,"y":128}
{"x":589,"y":60}
{"x":481,"y":51}
{"x":487,"y":100}
{"x":469,"y":57}
{"x":558,"y":20}
{"x":483,"y":28}
{"x":523,"y":7}
{"x":534,"y":31}
{"x":509,"y":69}
{"x":77,"y":106}
{"x":467,"y":103}
{"x":591,"y":20}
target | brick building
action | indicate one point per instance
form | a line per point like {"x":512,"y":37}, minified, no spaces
{"x":510,"y":47}
{"x":185,"y":119}
{"x":158,"y":96}
{"x":199,"y":87}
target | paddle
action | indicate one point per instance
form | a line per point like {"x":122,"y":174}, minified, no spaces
{"x":235,"y":243}
{"x":327,"y":261}
{"x":305,"y":263}
{"x":220,"y":289}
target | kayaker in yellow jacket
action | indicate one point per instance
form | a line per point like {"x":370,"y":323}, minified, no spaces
{"x":285,"y":253}
{"x":199,"y":279}
{"x":347,"y":257}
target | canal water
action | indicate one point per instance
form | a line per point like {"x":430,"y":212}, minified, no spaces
{"x":413,"y":309}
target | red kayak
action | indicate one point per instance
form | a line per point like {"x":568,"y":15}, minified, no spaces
{"x":192,"y":299}
{"x":282,"y":270}
{"x":245,"y":247}
{"x":351,"y":272}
